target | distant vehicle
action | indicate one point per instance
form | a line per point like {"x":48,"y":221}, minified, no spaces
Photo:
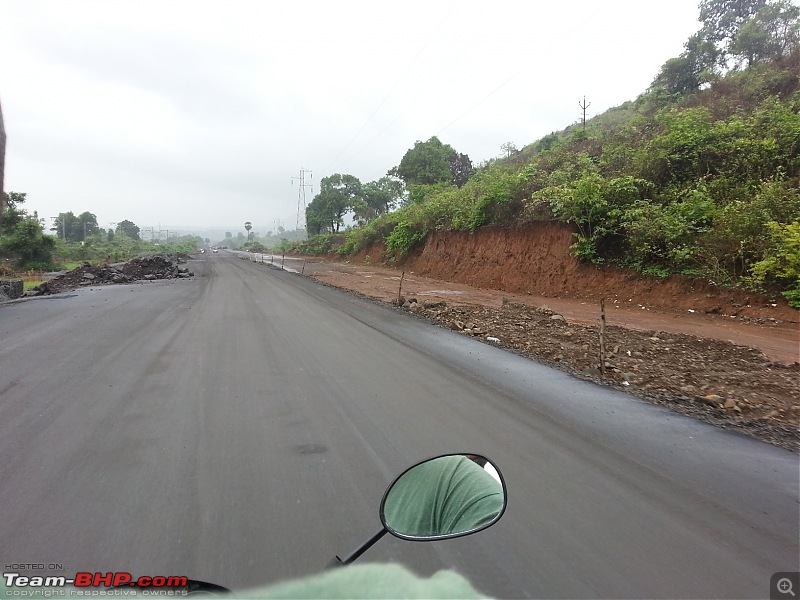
{"x":202,"y":251}
{"x":215,"y":250}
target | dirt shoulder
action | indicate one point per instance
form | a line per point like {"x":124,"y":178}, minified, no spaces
{"x":735,"y":372}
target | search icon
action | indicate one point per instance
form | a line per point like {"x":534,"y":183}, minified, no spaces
{"x":784,"y":586}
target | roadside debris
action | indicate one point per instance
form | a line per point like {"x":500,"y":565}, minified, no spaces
{"x":150,"y":267}
{"x":729,"y":385}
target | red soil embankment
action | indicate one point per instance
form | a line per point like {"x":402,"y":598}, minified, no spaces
{"x":535,"y":259}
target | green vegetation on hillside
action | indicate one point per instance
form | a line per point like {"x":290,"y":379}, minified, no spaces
{"x":698,"y":176}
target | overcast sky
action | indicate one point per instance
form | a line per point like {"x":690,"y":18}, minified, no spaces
{"x":198,"y":113}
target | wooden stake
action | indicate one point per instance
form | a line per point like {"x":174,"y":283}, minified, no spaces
{"x":400,"y":289}
{"x":603,"y":337}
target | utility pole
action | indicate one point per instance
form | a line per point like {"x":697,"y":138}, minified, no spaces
{"x":301,"y":194}
{"x":584,"y":106}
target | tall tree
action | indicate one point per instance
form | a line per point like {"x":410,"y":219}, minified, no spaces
{"x":427,"y":163}
{"x":338,"y":195}
{"x":460,"y":169}
{"x":128,"y":228}
{"x":87,"y":225}
{"x":772,"y":33}
{"x":13,"y":212}
{"x":380,"y":197}
{"x":693,"y":68}
{"x":722,"y":20}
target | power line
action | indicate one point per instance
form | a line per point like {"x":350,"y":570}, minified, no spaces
{"x":394,"y":87}
{"x":486,"y":97}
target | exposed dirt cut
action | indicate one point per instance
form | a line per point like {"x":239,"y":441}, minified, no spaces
{"x":536,"y":260}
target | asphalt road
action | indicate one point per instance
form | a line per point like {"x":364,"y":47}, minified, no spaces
{"x":242,"y":426}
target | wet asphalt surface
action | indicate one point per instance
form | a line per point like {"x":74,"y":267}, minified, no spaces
{"x":241,"y":428}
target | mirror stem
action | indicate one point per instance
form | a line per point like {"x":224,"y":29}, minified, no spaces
{"x":363,"y":548}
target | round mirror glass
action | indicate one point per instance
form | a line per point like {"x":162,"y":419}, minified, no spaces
{"x":443,"y":497}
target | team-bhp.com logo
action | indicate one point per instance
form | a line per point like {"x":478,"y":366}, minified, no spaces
{"x":92,"y":580}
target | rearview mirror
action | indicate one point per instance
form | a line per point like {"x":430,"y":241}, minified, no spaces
{"x":444,"y":497}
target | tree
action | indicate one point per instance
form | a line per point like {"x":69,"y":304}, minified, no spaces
{"x":338,"y":195}
{"x":27,"y":242}
{"x":128,"y":228}
{"x":75,"y":229}
{"x":64,"y":225}
{"x":427,"y":163}
{"x":248,"y":225}
{"x":772,"y":33}
{"x":689,"y":71}
{"x":380,"y":197}
{"x":509,"y":148}
{"x":460,"y":169}
{"x":87,"y":225}
{"x":12,"y":211}
{"x":722,"y":20}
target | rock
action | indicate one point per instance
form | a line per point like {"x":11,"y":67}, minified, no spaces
{"x":434,"y":304}
{"x":456,"y":325}
{"x":492,"y":339}
{"x":11,"y":288}
{"x":557,"y":318}
{"x":89,"y":276}
{"x":729,"y":404}
{"x":710,"y":399}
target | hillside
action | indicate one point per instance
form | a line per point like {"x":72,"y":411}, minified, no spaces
{"x":698,"y":177}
